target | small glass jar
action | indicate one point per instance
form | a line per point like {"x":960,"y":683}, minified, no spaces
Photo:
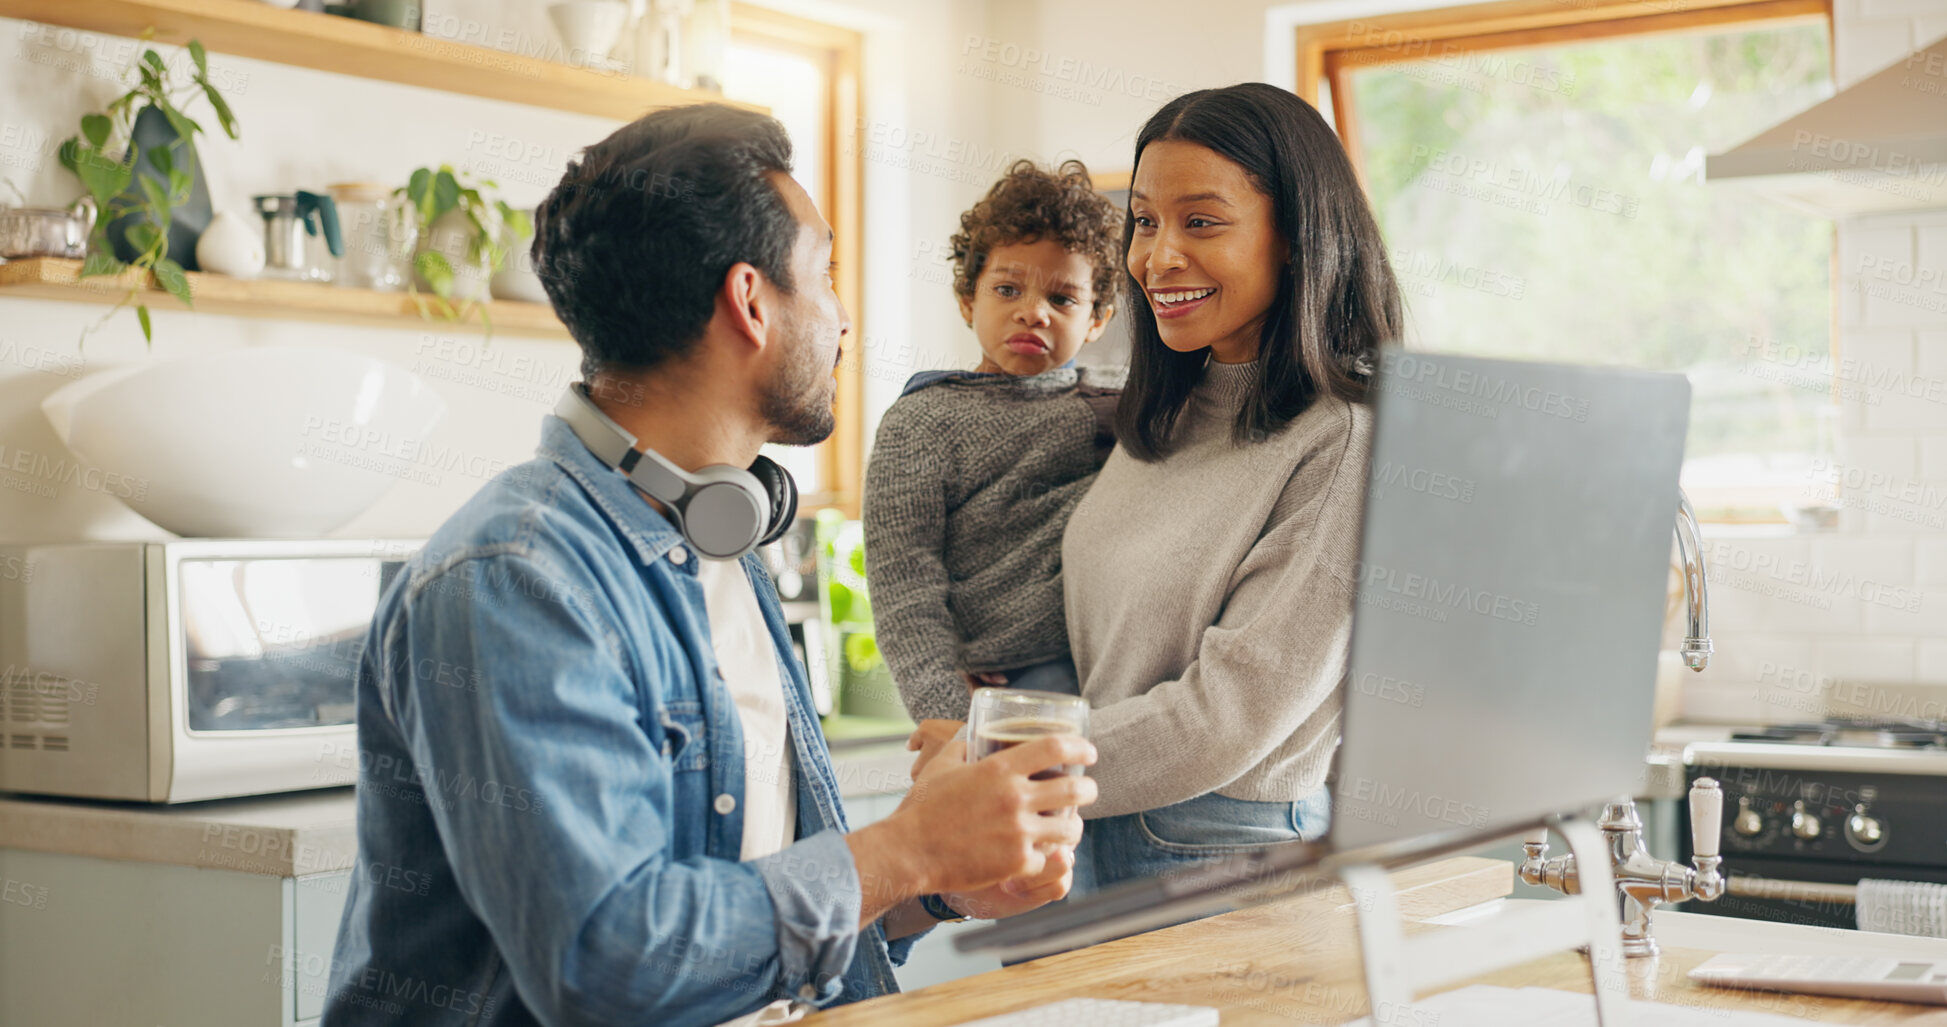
{"x":380,"y":232}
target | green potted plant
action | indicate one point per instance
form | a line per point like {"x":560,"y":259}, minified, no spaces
{"x":864,"y":684}
{"x":143,"y":216}
{"x":459,"y":222}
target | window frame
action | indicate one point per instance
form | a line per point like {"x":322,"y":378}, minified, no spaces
{"x":1327,"y":52}
{"x":840,"y":50}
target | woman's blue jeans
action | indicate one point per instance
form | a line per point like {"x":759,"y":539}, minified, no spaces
{"x":1162,"y":841}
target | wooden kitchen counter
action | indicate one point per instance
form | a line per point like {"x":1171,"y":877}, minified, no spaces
{"x":1296,"y":962}
{"x":1663,"y":980}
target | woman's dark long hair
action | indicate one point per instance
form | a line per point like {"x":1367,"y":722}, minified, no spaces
{"x":1337,"y":302}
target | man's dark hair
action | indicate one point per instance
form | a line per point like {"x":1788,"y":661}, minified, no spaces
{"x":634,"y":242}
{"x":1337,"y":300}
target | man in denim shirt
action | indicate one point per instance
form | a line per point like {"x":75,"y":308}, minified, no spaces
{"x":554,"y":780}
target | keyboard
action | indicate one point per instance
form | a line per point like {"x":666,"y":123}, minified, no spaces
{"x":1098,"y":1012}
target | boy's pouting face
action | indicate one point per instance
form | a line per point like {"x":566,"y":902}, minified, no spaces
{"x":1033,"y":307}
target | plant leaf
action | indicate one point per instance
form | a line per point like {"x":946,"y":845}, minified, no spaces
{"x":95,"y":127}
{"x":101,"y":262}
{"x":224,"y":116}
{"x":179,"y":183}
{"x":169,"y":275}
{"x":185,"y":126}
{"x":446,"y":193}
{"x":433,"y":267}
{"x":154,"y":60}
{"x":158,"y":200}
{"x":518,"y":220}
{"x":102,"y":175}
{"x":196,"y":54}
{"x":142,"y":315}
{"x":143,"y":236}
{"x":416,"y":185}
{"x":163,"y":161}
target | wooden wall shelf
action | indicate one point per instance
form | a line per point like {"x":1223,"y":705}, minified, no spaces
{"x":55,"y":279}
{"x":251,"y":28}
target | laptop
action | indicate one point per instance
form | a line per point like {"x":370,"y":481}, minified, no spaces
{"x":1511,"y":589}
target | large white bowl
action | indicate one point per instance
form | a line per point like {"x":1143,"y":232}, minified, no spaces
{"x":251,"y":443}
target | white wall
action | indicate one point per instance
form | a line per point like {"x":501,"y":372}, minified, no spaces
{"x":1857,"y":620}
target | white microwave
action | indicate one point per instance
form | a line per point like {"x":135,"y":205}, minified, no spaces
{"x":180,"y":671}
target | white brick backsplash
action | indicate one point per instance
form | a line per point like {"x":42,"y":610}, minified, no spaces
{"x":1866,"y":247}
{"x":1863,"y":659}
{"x":1906,"y":296}
{"x":1906,"y":610}
{"x":1877,"y":351}
{"x":1933,"y":458}
{"x":1885,"y":560}
{"x":1771,"y":584}
{"x":1932,"y":250}
{"x":1886,"y":284}
{"x":1722,"y":703}
{"x":1930,"y":563}
{"x":1865,"y":45}
{"x":1745,"y":656}
{"x":1878,"y":372}
{"x":1932,"y":668}
{"x":1914,"y":403}
{"x":1889,"y":455}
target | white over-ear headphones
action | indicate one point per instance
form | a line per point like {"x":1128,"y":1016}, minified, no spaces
{"x":722,"y":511}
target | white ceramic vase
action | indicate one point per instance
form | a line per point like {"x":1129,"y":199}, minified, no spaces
{"x":232,"y":246}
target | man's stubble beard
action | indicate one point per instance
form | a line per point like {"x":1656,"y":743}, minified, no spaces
{"x":796,"y":402}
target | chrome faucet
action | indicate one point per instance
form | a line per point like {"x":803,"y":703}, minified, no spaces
{"x":1690,"y":546}
{"x":1643,"y":880}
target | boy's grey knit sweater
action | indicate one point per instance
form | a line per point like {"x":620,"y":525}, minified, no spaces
{"x":970,"y":484}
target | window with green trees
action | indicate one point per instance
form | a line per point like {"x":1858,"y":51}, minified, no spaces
{"x":1549,"y":203}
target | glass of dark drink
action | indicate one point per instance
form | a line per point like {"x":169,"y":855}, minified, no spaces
{"x":1002,"y":718}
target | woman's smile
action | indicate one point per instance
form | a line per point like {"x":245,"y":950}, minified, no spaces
{"x":1179,"y":302}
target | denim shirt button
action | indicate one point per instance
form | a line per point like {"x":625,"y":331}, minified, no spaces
{"x":679,"y":555}
{"x":808,"y":993}
{"x":725,"y":803}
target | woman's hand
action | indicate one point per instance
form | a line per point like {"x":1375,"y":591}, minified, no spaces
{"x":929,"y":738}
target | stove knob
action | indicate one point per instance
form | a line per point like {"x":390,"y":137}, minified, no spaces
{"x":1863,"y":830}
{"x":1804,"y":824}
{"x":1747,"y":822}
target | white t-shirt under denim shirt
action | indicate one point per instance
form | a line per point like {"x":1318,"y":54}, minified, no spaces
{"x":744,"y":650}
{"x":750,"y":669}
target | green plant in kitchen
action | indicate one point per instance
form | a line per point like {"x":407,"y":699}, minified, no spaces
{"x":107,"y":177}
{"x":865,"y":685}
{"x":435,"y":193}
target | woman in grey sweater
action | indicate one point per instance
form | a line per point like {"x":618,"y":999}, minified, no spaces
{"x":1208,"y":572}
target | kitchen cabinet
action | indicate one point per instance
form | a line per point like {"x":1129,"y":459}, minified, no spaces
{"x":217,"y":914}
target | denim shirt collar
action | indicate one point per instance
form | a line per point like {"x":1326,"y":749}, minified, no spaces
{"x":646,"y":530}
